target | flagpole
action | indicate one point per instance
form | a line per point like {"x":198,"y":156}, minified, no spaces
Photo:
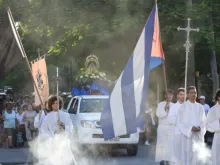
{"x":163,"y":65}
{"x":165,"y":76}
{"x":23,"y":52}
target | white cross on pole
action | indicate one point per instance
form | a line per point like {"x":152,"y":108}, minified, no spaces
{"x":187,"y":45}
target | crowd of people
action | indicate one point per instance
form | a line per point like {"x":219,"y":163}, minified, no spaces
{"x":183,"y":127}
{"x":17,"y":114}
{"x":21,"y":120}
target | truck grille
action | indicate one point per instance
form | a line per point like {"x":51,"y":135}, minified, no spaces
{"x":101,"y":136}
{"x":97,"y":136}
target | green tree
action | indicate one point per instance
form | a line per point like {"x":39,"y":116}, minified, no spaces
{"x":70,"y":30}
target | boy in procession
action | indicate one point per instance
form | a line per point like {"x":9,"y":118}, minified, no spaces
{"x":56,"y":126}
{"x":56,"y":121}
{"x":164,"y":151}
{"x":213,"y":125}
{"x":172,"y":118}
{"x":191,"y":123}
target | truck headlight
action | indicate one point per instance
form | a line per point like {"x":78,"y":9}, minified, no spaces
{"x":87,"y":124}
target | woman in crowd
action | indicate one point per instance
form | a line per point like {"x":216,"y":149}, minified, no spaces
{"x":28,"y":117}
{"x":24,"y":107}
{"x":9,"y":124}
{"x":21,"y":124}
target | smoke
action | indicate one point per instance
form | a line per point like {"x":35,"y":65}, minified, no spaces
{"x":203,"y":152}
{"x":57,"y":150}
{"x":63,"y":150}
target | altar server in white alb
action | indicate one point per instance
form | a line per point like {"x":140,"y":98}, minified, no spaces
{"x":172,"y":118}
{"x":191,"y":123}
{"x":40,"y":117}
{"x":56,"y":133}
{"x":164,"y":151}
{"x":55,"y":123}
{"x":213,"y":125}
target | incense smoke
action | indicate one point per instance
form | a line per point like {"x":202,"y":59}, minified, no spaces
{"x":203,"y":152}
{"x":62,"y":150}
{"x":53,"y":151}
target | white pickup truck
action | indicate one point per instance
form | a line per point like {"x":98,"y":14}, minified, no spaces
{"x":85,"y":113}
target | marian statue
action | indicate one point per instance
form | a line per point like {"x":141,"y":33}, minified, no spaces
{"x":90,"y":72}
{"x":91,"y":79}
{"x":92,"y":64}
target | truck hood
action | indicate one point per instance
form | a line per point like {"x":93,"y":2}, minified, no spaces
{"x":90,"y":116}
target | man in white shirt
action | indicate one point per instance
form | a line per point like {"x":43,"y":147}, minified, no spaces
{"x":191,"y":123}
{"x":213,"y":125}
{"x":205,"y":106}
{"x":164,"y":152}
{"x":172,"y":118}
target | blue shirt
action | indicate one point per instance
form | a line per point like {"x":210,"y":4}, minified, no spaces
{"x":206,"y":108}
{"x":10,"y":119}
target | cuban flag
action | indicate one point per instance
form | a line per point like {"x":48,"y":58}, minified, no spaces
{"x":124,"y":113}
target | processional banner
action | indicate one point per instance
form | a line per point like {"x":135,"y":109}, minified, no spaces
{"x":39,"y":71}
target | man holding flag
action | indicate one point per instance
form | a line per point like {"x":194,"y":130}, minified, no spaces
{"x":165,"y":138}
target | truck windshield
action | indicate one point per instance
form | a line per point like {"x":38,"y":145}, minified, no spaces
{"x":66,"y":103}
{"x":92,"y":105}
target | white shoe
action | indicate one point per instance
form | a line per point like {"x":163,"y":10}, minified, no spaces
{"x":147,"y":143}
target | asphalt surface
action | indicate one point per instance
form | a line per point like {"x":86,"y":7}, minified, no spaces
{"x":118,"y":157}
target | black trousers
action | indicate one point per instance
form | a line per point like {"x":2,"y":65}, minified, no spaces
{"x":14,"y":138}
{"x":165,"y":163}
{"x":22,"y":130}
{"x":208,"y":135}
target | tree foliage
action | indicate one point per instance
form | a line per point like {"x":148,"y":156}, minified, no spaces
{"x":70,"y":30}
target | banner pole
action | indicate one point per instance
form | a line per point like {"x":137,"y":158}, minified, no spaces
{"x":18,"y":39}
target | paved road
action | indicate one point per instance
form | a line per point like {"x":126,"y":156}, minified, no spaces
{"x":15,"y":156}
{"x":119,"y":157}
